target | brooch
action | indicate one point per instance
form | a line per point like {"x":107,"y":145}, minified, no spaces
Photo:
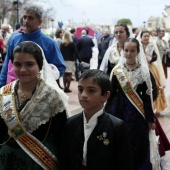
{"x":103,"y":138}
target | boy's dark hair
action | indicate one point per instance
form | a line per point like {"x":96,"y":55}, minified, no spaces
{"x":99,"y":77}
{"x":30,"y":48}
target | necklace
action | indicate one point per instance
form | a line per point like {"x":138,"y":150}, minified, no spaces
{"x":131,"y":69}
{"x":23,"y":96}
{"x":131,"y":64}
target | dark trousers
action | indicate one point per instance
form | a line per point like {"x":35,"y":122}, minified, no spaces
{"x":77,"y":70}
{"x":87,"y":60}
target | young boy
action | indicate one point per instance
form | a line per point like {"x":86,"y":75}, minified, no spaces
{"x":93,"y":139}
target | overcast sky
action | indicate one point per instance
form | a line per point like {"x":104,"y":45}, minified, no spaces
{"x":108,"y":11}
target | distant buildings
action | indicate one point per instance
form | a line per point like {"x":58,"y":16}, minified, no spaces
{"x":158,"y":22}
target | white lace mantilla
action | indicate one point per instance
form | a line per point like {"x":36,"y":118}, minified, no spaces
{"x":114,"y":55}
{"x":135,"y":77}
{"x":44,"y":103}
{"x":149,"y":49}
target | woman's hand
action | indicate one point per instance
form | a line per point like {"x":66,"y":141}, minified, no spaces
{"x":148,"y":58}
{"x":165,"y":52}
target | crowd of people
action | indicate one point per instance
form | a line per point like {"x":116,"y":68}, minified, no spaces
{"x":121,"y":99}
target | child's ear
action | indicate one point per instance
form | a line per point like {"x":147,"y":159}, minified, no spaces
{"x":106,"y":96}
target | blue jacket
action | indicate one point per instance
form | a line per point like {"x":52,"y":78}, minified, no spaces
{"x":49,"y":46}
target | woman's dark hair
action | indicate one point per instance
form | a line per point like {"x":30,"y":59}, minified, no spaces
{"x":30,"y":48}
{"x":134,"y":40}
{"x":58,"y":32}
{"x":99,"y":77}
{"x":126,"y":28}
{"x":143,"y":32}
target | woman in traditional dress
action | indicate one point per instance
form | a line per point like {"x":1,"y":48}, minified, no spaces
{"x":32,"y":113}
{"x":155,"y":66}
{"x":131,"y":101}
{"x":114,"y":52}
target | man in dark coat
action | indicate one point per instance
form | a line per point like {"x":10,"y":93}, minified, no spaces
{"x":104,"y":45}
{"x":84,"y":46}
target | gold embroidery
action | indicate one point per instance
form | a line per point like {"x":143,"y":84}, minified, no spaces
{"x":34,"y":148}
{"x":7,"y":89}
{"x":128,"y":90}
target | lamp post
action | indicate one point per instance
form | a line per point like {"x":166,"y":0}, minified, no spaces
{"x":144,"y":24}
{"x":52,"y":26}
{"x":16,"y":3}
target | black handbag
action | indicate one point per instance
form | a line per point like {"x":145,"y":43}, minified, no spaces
{"x":84,"y":66}
{"x":154,"y":56}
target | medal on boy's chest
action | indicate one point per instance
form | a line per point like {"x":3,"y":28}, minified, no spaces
{"x":106,"y":141}
{"x":103,"y":138}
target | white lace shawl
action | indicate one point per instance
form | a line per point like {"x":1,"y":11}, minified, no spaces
{"x":49,"y":79}
{"x":44,"y":103}
{"x":135,"y":76}
{"x":111,"y":55}
{"x":149,"y":50}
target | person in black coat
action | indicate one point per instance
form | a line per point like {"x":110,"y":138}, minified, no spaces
{"x":77,"y":64}
{"x":84,"y":47}
{"x":104,"y":45}
{"x":94,"y":139}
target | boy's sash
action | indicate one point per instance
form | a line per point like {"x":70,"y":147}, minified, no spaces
{"x":128,"y":90}
{"x":32,"y":146}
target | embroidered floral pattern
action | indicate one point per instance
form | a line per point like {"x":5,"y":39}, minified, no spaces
{"x":135,"y":78}
{"x":127,"y":87}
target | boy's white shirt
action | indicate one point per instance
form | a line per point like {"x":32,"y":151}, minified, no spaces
{"x":88,"y":128}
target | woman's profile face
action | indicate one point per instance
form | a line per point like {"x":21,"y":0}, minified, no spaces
{"x":145,"y":38}
{"x":61,"y":34}
{"x":130,"y":51}
{"x":25,"y":67}
{"x":120,"y":33}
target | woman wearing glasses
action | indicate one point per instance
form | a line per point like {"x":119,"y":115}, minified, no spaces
{"x":113,"y":53}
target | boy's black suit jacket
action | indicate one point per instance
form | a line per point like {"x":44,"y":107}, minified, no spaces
{"x":114,"y":155}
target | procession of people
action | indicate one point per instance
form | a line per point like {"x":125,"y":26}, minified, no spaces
{"x":122,"y":95}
